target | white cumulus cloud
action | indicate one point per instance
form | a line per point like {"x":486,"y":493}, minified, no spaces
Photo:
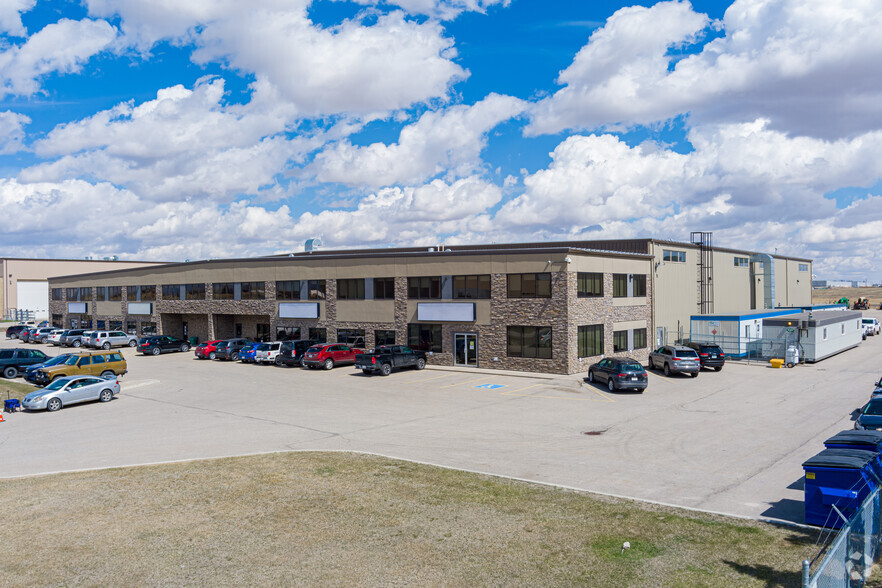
{"x":10,"y":16}
{"x":61,"y":47}
{"x":12,"y":133}
{"x":811,"y":67}
{"x":447,"y":142}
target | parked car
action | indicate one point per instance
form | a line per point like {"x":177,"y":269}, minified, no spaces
{"x":292,"y":352}
{"x":709,"y":354}
{"x":25,"y":334}
{"x":72,"y":338}
{"x":30,"y":372}
{"x":108,"y":339}
{"x":156,"y":344}
{"x":384,"y":359}
{"x":40,"y":335}
{"x":330,"y":355}
{"x":675,"y":359}
{"x":870,"y":417}
{"x":14,"y":331}
{"x":206,"y":349}
{"x":230,"y":348}
{"x":55,"y":337}
{"x":246,"y":354}
{"x":71,"y":390}
{"x":267,"y":352}
{"x":619,"y":373}
{"x":89,"y":363}
{"x":871,"y":325}
{"x":13,"y":361}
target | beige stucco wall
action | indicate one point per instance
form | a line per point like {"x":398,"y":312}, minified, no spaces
{"x":366,"y":311}
{"x":735,"y":289}
{"x":42,"y":269}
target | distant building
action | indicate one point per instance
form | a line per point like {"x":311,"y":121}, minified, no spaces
{"x":25,"y":283}
{"x":820,"y":284}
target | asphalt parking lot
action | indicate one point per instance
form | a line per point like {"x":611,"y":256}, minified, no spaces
{"x":731,"y":442}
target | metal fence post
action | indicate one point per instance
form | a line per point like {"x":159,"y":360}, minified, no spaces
{"x":805,"y":573}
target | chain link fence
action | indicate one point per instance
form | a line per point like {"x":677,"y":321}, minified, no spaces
{"x":756,"y":350}
{"x":847,"y":562}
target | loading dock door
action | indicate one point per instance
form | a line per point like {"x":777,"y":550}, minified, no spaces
{"x":33,"y":296}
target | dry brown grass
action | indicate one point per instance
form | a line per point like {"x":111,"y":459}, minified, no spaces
{"x":343,"y":519}
{"x":10,"y":389}
{"x":831,"y":295}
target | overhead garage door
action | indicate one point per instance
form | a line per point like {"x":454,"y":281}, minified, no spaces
{"x":34,"y":296}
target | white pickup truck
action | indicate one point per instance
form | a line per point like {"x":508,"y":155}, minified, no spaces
{"x":871,"y":326}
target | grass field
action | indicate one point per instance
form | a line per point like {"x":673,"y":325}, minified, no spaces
{"x":14,"y":389}
{"x":831,"y":295}
{"x":346,"y":519}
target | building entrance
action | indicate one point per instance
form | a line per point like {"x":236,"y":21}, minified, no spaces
{"x":466,"y":349}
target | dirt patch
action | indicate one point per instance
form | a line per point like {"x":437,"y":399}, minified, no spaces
{"x":343,"y":519}
{"x":831,"y":295}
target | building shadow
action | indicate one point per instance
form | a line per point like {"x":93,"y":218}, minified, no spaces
{"x":786,"y":509}
{"x":767,"y":574}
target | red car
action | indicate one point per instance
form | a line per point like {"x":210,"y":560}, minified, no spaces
{"x":327,"y":355}
{"x":206,"y":349}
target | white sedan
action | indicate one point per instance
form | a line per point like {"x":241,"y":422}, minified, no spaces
{"x":71,"y":390}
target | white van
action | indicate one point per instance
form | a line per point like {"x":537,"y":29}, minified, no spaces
{"x":871,"y":325}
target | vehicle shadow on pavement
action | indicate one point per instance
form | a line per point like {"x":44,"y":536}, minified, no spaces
{"x":602,"y":388}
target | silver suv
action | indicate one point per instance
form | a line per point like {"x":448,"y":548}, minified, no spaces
{"x":675,"y":359}
{"x":108,"y":339}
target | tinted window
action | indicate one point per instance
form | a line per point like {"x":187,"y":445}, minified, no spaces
{"x":114,"y":357}
{"x":687,"y":353}
{"x":5,"y":353}
{"x":97,"y":359}
{"x":84,"y":361}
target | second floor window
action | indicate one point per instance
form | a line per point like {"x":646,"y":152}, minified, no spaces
{"x":56,"y":293}
{"x":223,"y":290}
{"x":316,"y":289}
{"x":529,"y":285}
{"x":350,"y":289}
{"x":253,"y":290}
{"x":471,"y":286}
{"x":589,"y":285}
{"x":114,"y":293}
{"x":384,"y":288}
{"x":195,"y":291}
{"x":171,"y":291}
{"x":674,"y":256}
{"x":288,"y":290}
{"x":425,"y":287}
{"x":148,"y":292}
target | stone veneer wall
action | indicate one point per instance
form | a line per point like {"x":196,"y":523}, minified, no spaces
{"x":593,"y":311}
{"x":564,"y":312}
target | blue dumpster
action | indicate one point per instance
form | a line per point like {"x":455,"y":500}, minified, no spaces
{"x":840,"y":477}
{"x":850,"y":439}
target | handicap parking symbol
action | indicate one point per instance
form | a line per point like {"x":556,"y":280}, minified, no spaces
{"x":490,"y":386}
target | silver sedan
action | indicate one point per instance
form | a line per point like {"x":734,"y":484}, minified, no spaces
{"x":71,"y":390}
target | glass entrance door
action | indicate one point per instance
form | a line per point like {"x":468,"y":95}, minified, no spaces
{"x":466,"y":346}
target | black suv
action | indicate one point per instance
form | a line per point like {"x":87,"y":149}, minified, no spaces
{"x":13,"y":361}
{"x":619,"y":373}
{"x":14,"y":331}
{"x":156,"y":344}
{"x":230,"y":348}
{"x":292,"y":352}
{"x":710,"y":355}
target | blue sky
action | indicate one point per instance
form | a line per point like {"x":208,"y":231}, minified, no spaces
{"x":179,"y":129}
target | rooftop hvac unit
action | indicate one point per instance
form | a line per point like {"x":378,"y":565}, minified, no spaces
{"x":312,"y":244}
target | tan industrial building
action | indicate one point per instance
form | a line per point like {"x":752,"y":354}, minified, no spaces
{"x":548,"y":307}
{"x":25,"y":284}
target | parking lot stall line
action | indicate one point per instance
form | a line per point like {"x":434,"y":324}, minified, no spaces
{"x":463,"y":383}
{"x":420,"y":381}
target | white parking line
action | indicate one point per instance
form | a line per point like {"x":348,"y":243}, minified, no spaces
{"x":137,"y":384}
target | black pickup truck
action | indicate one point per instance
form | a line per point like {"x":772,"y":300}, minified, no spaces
{"x":386,"y":358}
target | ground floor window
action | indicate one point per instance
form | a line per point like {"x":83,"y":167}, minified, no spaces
{"x":529,"y":342}
{"x":263,"y":332}
{"x":384,"y":338}
{"x":640,"y":338}
{"x":351,"y":337}
{"x":116,"y":326}
{"x":620,"y":340}
{"x":131,"y":328}
{"x":148,"y":328}
{"x":287,"y":333}
{"x":425,"y":337}
{"x":85,"y":323}
{"x":590,"y":340}
{"x":57,"y":320}
{"x":99,"y":325}
{"x":320,"y":335}
{"x":74,"y":323}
